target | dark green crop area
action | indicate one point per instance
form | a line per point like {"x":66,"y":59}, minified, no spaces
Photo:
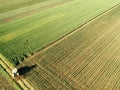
{"x":23,"y":37}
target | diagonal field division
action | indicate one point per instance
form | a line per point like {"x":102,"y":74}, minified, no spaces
{"x":87,"y":60}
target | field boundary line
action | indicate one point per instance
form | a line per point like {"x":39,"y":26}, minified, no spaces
{"x":23,"y":83}
{"x":71,"y":33}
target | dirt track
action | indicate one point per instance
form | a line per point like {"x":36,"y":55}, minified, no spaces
{"x":23,"y":83}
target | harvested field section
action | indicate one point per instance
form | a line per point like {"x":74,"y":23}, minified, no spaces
{"x":86,"y":60}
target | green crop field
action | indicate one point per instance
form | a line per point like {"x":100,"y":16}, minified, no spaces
{"x":6,"y":5}
{"x":61,"y":44}
{"x":24,"y":36}
{"x":6,"y":83}
{"x":87,"y":60}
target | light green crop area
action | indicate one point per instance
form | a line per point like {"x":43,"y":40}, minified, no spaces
{"x":23,"y":37}
{"x":6,"y":5}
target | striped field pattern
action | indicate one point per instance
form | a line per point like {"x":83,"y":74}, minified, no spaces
{"x":86,"y":60}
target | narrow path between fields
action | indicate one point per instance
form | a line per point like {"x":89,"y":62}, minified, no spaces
{"x":22,"y":82}
{"x":71,"y":33}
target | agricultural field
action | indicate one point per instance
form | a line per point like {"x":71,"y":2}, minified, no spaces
{"x":15,"y":14}
{"x":6,"y":83}
{"x":6,"y":5}
{"x":89,"y":59}
{"x":22,"y":37}
{"x":61,"y":44}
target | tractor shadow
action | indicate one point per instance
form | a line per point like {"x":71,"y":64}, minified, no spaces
{"x":23,"y":71}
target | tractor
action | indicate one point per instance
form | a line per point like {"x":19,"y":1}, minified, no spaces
{"x":16,"y":75}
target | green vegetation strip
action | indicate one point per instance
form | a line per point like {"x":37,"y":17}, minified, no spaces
{"x":23,"y":37}
{"x":29,"y":10}
{"x":6,"y":5}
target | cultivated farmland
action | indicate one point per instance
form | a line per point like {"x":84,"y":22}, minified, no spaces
{"x":61,"y":44}
{"x":6,"y":5}
{"x":23,"y":37}
{"x":89,"y":59}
